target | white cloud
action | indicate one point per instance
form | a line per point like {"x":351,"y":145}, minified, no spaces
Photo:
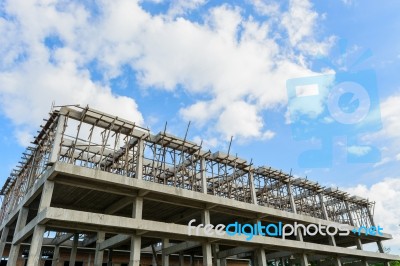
{"x":388,"y":136}
{"x":179,"y":7}
{"x":385,"y":160}
{"x":266,"y":8}
{"x":390,"y":112}
{"x":237,"y":63}
{"x":359,"y":150}
{"x":386,"y":194}
{"x":269,"y":134}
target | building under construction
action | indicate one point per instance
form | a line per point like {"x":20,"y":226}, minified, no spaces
{"x":94,"y":189}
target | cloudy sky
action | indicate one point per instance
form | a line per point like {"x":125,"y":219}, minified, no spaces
{"x":254,"y":70}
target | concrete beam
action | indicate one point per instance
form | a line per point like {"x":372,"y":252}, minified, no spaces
{"x":81,"y":220}
{"x":233,"y":252}
{"x":114,"y":241}
{"x":186,"y":197}
{"x":181,"y":247}
{"x":119,"y":205}
{"x":61,"y":239}
{"x":29,"y":196}
{"x":278,"y":254}
{"x":90,"y":240}
{"x":26,"y":231}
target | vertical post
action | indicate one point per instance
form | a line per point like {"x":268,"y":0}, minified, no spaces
{"x":252,"y":188}
{"x":136,"y":240}
{"x":223,"y":262}
{"x":203,"y":175}
{"x":206,"y":247}
{"x":358,"y":240}
{"x":56,"y":255}
{"x":154,"y":257}
{"x":47,"y":193}
{"x":21,"y":222}
{"x":57,"y":139}
{"x":4,"y":235}
{"x":364,"y":263}
{"x":74,"y":248}
{"x":215,"y":249}
{"x":299,"y":237}
{"x":35,"y":250}
{"x":165,"y":257}
{"x":139,"y":159}
{"x":98,"y":257}
{"x":110,"y":254}
{"x":135,"y":251}
{"x":191,"y":260}
{"x":260,"y":259}
{"x":379,"y":242}
{"x":181,"y":259}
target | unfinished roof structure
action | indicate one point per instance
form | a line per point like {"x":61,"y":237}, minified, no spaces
{"x":95,"y":189}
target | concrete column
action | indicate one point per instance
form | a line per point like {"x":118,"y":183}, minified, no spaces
{"x":47,"y":193}
{"x":35,"y":250}
{"x":223,"y":262}
{"x":303,"y":259}
{"x":74,"y":249}
{"x":191,"y":260}
{"x":110,"y":254}
{"x":206,"y":247}
{"x":215,"y":250}
{"x":252,"y":259}
{"x":98,"y":257}
{"x":57,"y":140}
{"x":3,"y":239}
{"x":299,"y":237}
{"x":364,"y":263}
{"x":154,"y":257}
{"x":260,"y":259}
{"x":136,"y":241}
{"x":56,"y":255}
{"x":165,"y":257}
{"x":379,"y":242}
{"x":154,"y":260}
{"x":134,"y":259}
{"x":139,"y":162}
{"x":137,"y":209}
{"x":21,"y":222}
{"x":181,"y":259}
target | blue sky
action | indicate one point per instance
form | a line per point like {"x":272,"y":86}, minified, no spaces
{"x":223,"y":66}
